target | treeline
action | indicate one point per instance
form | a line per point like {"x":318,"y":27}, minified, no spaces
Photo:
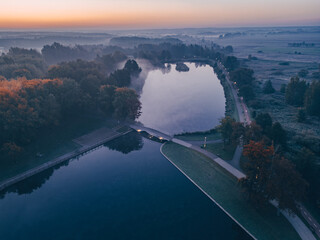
{"x":159,"y":54}
{"x":56,"y":52}
{"x":22,"y":63}
{"x":72,"y":89}
{"x":301,"y":94}
{"x":241,"y":77}
{"x":270,"y":175}
{"x":135,"y":41}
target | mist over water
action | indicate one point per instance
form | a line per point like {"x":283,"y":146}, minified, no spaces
{"x":176,"y":102}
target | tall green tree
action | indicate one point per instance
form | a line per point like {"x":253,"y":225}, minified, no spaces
{"x":312,"y":99}
{"x":268,"y":88}
{"x":126,"y":104}
{"x":106,"y":97}
{"x":295,"y":91}
{"x":226,"y":129}
{"x":271,"y":177}
{"x":264,"y":120}
{"x":279,"y":135}
{"x":285,"y":184}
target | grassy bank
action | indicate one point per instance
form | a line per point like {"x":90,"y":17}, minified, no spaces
{"x":199,"y":136}
{"x":262,"y":223}
{"x":224,"y":152}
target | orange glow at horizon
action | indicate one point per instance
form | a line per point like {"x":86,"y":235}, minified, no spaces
{"x":147,"y":13}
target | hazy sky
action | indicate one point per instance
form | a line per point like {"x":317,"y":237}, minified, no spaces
{"x":157,"y":14}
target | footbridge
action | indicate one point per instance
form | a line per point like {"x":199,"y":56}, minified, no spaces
{"x":152,"y":132}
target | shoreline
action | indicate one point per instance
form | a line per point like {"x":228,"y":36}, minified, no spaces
{"x":68,"y":156}
{"x":212,"y":199}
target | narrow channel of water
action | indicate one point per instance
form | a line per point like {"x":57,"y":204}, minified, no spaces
{"x":125,"y":190}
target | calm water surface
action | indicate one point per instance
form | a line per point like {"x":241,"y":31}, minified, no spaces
{"x":126,"y":190}
{"x":176,"y":102}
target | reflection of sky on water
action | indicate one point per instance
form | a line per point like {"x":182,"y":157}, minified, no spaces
{"x":178,"y":102}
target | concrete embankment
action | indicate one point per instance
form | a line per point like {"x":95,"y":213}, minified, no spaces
{"x":88,"y":142}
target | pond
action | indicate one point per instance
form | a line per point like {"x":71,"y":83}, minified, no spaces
{"x":123,"y":190}
{"x":175,"y":102}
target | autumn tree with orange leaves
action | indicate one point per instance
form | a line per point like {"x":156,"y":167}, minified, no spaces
{"x":271,"y":177}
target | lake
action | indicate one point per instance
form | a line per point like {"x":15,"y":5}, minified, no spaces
{"x":124,"y":190}
{"x":175,"y":102}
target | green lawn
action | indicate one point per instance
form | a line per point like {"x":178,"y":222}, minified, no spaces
{"x":264,"y":224}
{"x":226,"y":153}
{"x":199,"y":136}
{"x":51,"y":143}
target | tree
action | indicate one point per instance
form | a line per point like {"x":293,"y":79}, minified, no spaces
{"x":264,"y":121}
{"x":106,"y":97}
{"x":286,"y":185}
{"x":268,"y":88}
{"x":301,"y":117}
{"x":126,"y":104}
{"x":312,"y":99}
{"x":279,"y":135}
{"x":246,"y":92}
{"x":10,"y":150}
{"x":295,"y":91}
{"x":253,"y":132}
{"x":242,"y":76}
{"x":238,"y":131}
{"x":120,"y":78}
{"x":258,"y":171}
{"x":225,"y":128}
{"x":231,"y":63}
{"x":133,"y":67}
{"x":271,"y":177}
{"x":283,"y":88}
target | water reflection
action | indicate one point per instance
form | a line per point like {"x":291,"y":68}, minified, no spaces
{"x":33,"y":183}
{"x":139,"y":195}
{"x":175,"y":102}
{"x":131,"y":142}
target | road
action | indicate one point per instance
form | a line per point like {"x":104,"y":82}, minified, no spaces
{"x":241,"y":106}
{"x":312,"y":222}
{"x":245,"y":118}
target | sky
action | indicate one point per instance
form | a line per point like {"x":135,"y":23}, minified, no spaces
{"x":128,"y":14}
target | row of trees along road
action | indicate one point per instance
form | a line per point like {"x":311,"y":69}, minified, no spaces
{"x":270,"y":176}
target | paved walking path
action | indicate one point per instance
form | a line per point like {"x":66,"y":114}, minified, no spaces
{"x":200,"y":143}
{"x":233,"y":171}
{"x":303,"y":231}
{"x":151,"y":131}
{"x":236,"y":157}
{"x":308,"y":217}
